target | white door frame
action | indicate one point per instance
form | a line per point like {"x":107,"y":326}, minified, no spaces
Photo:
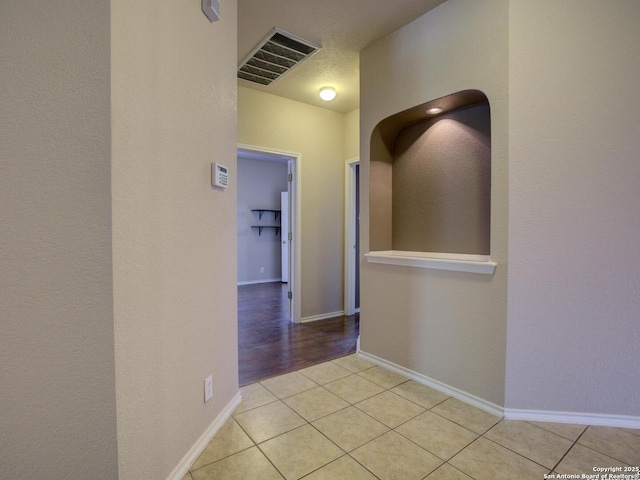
{"x":295,"y":224}
{"x":350,"y":237}
{"x":285,"y":251}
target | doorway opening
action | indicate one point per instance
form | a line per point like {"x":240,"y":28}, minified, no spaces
{"x":268,"y":232}
{"x":352,"y":237}
{"x":272,"y":340}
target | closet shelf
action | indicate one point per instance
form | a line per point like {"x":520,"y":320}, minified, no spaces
{"x":261,"y":211}
{"x":262,"y":227}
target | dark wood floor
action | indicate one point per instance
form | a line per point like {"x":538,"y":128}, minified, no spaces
{"x":269,"y":344}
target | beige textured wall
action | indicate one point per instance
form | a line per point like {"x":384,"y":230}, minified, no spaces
{"x":574,"y":216}
{"x":352,"y":135}
{"x":318,"y":135}
{"x":174,"y":236}
{"x":441,"y":184}
{"x":449,"y":326}
{"x":57,"y":390}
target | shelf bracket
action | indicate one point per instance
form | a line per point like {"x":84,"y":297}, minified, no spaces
{"x":262,"y":227}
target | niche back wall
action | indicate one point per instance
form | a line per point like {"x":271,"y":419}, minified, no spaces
{"x":442,"y":184}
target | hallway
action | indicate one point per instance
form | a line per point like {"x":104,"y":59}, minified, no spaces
{"x":269,"y":344}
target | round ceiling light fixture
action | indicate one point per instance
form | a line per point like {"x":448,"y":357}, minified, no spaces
{"x":435,"y":110}
{"x":327,"y":93}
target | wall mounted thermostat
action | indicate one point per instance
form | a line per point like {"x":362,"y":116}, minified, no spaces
{"x":211,"y":9}
{"x":219,"y":175}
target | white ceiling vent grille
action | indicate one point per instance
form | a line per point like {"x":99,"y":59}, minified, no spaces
{"x":274,"y":56}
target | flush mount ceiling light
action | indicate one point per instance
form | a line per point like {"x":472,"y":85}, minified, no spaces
{"x":327,"y":93}
{"x":434,"y":110}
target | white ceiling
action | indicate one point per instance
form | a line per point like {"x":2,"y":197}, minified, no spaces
{"x":341,"y":27}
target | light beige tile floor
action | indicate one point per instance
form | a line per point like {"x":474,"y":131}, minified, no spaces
{"x":351,"y":420}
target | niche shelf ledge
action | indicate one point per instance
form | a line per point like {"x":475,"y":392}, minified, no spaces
{"x":437,"y":261}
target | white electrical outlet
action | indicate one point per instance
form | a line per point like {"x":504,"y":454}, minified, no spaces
{"x":208,"y":388}
{"x":261,"y":269}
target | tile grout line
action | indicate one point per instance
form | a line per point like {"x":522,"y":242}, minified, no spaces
{"x":350,"y":404}
{"x":593,"y":449}
{"x":231,"y":454}
{"x":394,"y":429}
{"x":575,"y":442}
{"x":517,"y":453}
{"x":346,"y":454}
{"x":385,"y":389}
{"x":363,"y":466}
{"x":269,"y":460}
{"x":390,"y":429}
{"x":307,"y":422}
{"x":467,"y":446}
{"x":524,"y":456}
{"x":257,"y":445}
{"x":455,"y":468}
{"x":223,"y":458}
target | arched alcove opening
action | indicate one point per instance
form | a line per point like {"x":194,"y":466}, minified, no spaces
{"x":430,"y":180}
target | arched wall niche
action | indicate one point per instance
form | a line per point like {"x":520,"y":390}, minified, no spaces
{"x":430,"y":179}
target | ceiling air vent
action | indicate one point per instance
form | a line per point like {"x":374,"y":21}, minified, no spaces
{"x":274,"y":56}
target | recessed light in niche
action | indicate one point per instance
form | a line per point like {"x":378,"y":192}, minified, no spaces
{"x":434,"y":110}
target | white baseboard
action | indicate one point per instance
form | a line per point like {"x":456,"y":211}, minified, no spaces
{"x":461,"y":395}
{"x":324,"y":316}
{"x":254,"y":282}
{"x":606,"y":420}
{"x":622,"y":421}
{"x":183,"y":467}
